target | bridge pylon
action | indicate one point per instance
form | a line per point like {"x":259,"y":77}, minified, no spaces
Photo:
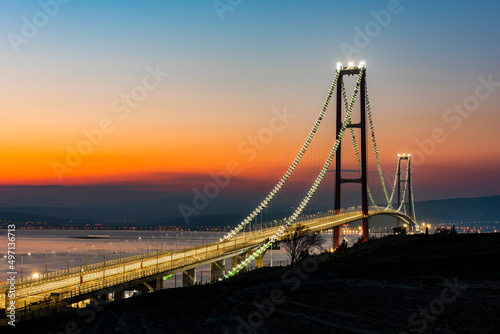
{"x":339,"y":180}
{"x":408,"y":187}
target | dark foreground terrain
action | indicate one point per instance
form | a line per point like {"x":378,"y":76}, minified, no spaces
{"x":416,"y":284}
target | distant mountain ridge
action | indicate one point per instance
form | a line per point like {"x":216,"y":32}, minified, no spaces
{"x":459,"y":209}
{"x":223,"y":212}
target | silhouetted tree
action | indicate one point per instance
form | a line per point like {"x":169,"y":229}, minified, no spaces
{"x":343,"y":246}
{"x":299,"y":242}
{"x":444,"y":230}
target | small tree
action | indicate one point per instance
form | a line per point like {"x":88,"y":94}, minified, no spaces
{"x":299,"y":242}
{"x":444,"y":230}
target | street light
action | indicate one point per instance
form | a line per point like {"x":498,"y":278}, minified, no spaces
{"x":48,"y":250}
{"x":86,"y":253}
{"x":156,"y":255}
{"x":80,"y":263}
{"x":22,"y":264}
{"x":104,"y":263}
{"x":68,"y":254}
{"x":121,"y":250}
{"x":142,"y":257}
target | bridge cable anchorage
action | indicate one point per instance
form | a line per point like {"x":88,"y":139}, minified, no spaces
{"x":278,"y":186}
{"x":394,"y":186}
{"x":311,"y":191}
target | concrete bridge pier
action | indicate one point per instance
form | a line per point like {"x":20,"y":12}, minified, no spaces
{"x":236,"y":260}
{"x":259,"y":261}
{"x":119,"y":295}
{"x":189,"y":277}
{"x":159,"y":283}
{"x":336,"y":236}
{"x":217,"y":270}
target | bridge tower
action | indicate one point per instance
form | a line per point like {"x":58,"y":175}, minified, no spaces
{"x":408,"y":186}
{"x":339,"y":180}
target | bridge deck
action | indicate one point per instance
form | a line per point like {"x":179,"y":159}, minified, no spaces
{"x":73,"y":282}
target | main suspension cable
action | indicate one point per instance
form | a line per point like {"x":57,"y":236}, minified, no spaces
{"x":311,"y":191}
{"x":278,"y":186}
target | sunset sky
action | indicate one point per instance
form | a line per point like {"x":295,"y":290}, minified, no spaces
{"x":207,"y":77}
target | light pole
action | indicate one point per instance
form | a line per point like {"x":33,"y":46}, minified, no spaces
{"x":80,"y":263}
{"x":142,"y":249}
{"x":48,"y":250}
{"x":121,"y":250}
{"x":86,"y":253}
{"x":104,"y":264}
{"x":156,"y":256}
{"x":68,"y":255}
{"x":81,"y":277}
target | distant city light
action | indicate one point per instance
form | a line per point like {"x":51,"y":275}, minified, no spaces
{"x":35,"y":275}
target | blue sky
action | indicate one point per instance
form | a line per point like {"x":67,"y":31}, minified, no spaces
{"x":225,"y":76}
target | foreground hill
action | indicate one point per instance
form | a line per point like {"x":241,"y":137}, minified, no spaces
{"x":436,"y":284}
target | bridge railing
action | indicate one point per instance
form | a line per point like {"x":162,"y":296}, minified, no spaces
{"x":51,"y":276}
{"x":127,"y":264}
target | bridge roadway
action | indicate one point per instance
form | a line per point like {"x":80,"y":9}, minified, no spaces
{"x":95,"y":277}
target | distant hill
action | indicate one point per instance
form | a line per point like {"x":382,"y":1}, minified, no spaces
{"x":224,"y":212}
{"x":459,"y":209}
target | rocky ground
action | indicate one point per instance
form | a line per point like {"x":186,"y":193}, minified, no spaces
{"x":409,"y":285}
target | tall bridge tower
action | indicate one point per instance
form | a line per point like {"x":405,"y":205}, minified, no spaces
{"x":339,"y":180}
{"x":407,"y":188}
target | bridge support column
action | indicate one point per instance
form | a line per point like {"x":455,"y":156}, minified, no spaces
{"x":336,"y":236}
{"x":159,"y":283}
{"x":259,"y":261}
{"x":217,"y":270}
{"x":189,"y":277}
{"x":236,"y":260}
{"x":339,"y":180}
{"x":119,"y":295}
{"x":366,"y":230}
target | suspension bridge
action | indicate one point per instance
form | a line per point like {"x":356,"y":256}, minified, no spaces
{"x":243,"y":244}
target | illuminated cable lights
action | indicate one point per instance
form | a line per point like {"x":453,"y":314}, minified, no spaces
{"x":270,"y":196}
{"x":311,"y":191}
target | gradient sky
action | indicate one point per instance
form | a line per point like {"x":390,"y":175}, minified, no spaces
{"x":227,"y":76}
